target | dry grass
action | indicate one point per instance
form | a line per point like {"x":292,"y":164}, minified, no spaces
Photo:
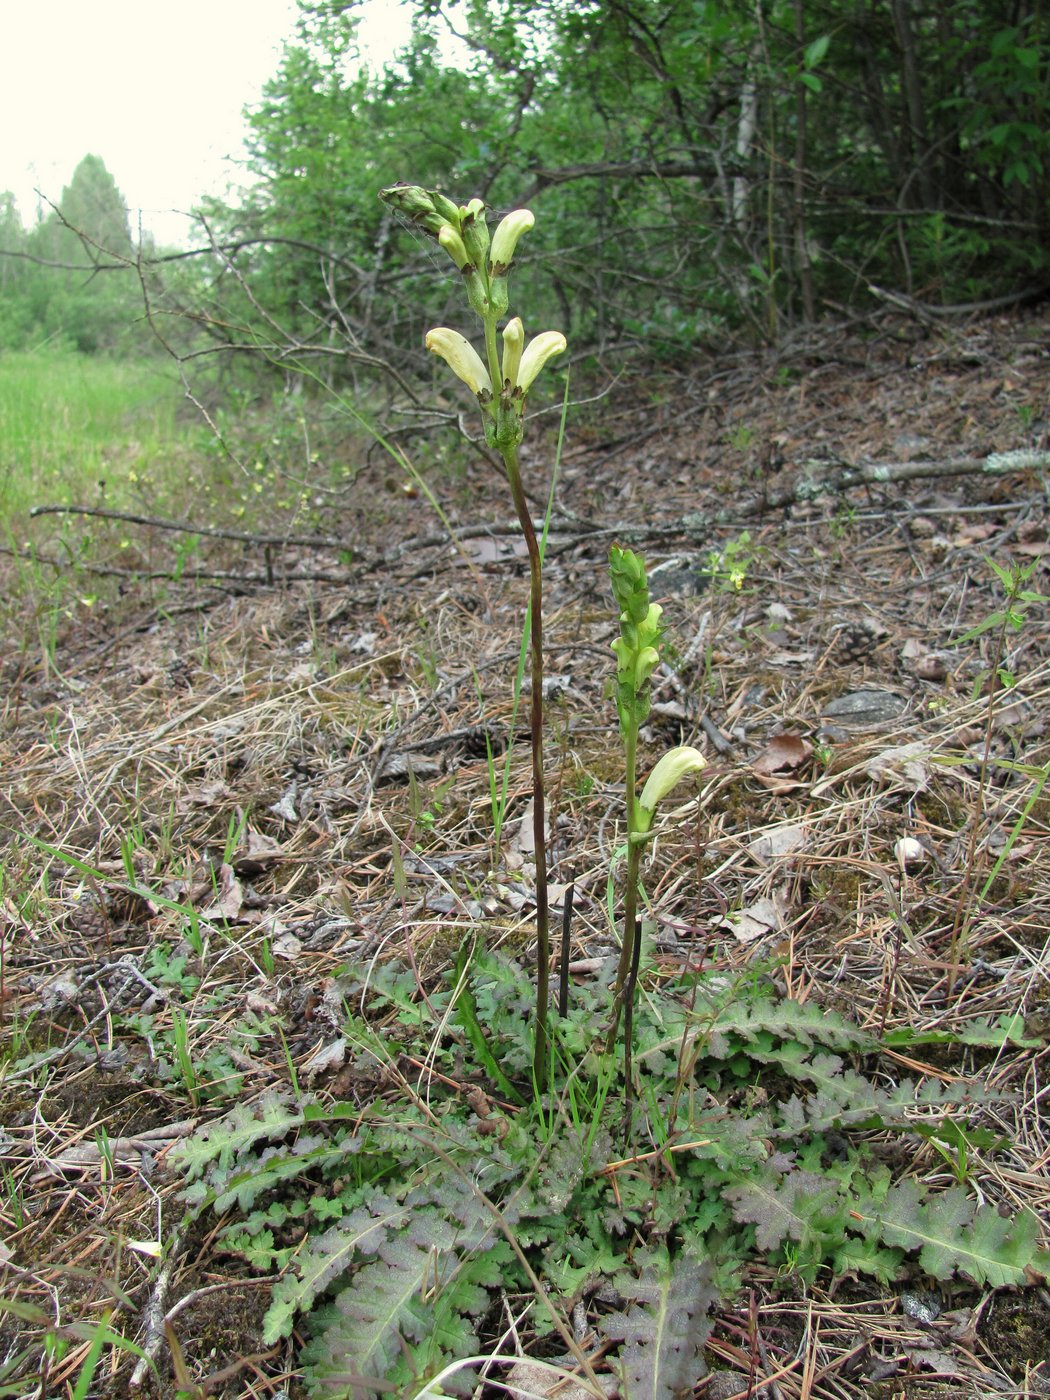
{"x":304,"y":767}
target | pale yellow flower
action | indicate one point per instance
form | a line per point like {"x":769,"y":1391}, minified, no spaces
{"x":667,"y":774}
{"x":461,"y":358}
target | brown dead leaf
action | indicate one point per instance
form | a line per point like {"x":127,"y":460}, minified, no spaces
{"x":228,"y":896}
{"x":778,"y":841}
{"x":763,"y":916}
{"x":203,"y":795}
{"x":783,"y":754}
{"x":326,"y":1058}
{"x":256,"y":854}
{"x":973,"y":532}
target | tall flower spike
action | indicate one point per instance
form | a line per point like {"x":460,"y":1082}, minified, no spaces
{"x":461,"y":358}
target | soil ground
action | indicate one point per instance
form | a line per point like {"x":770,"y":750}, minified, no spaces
{"x":872,"y":821}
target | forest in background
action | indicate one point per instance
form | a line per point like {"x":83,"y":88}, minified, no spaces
{"x":268,"y":870}
{"x":699,"y":170}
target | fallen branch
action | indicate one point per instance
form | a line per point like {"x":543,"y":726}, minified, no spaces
{"x":153,"y":1318}
{"x":186,"y":528}
{"x":818,"y":480}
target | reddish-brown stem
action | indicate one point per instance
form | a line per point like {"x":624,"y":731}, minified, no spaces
{"x":510,"y":457}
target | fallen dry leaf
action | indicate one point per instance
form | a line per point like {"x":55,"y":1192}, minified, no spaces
{"x":761,"y":917}
{"x":778,"y":841}
{"x":783,"y":754}
{"x":228,"y":895}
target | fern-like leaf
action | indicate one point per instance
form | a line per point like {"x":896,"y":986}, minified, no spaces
{"x":399,"y":1318}
{"x":952,"y":1233}
{"x":664,"y":1330}
{"x":792,"y":1205}
{"x":225,"y":1139}
{"x":327,"y":1256}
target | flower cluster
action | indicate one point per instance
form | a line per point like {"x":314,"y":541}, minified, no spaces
{"x":462,"y":230}
{"x":637,"y":656}
{"x":640,"y":631}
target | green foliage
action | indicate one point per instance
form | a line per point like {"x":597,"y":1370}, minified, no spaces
{"x":397,"y":1223}
{"x":70,"y":281}
{"x":693,"y":166}
{"x":663,"y":1329}
{"x":72,"y":426}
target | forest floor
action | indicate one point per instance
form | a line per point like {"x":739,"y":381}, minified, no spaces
{"x":296,"y":751}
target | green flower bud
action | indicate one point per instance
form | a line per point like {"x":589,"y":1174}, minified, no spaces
{"x":474,"y":227}
{"x":645,"y":664}
{"x":454,"y":246}
{"x":461,"y":358}
{"x":667,"y":774}
{"x":427,"y":208}
{"x":630,"y":589}
{"x":445,"y":207}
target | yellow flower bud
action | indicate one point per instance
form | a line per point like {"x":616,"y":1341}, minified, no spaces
{"x":543,"y":348}
{"x":461,"y":358}
{"x":454,"y":246}
{"x":513,"y":344}
{"x":505,"y":239}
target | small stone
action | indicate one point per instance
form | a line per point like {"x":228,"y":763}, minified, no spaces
{"x":729,"y":1385}
{"x":911,"y":854}
{"x":923,"y":1307}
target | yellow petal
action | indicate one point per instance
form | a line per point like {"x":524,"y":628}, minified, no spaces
{"x":667,"y":774}
{"x":513,"y":344}
{"x":461,"y":357}
{"x":543,"y":348}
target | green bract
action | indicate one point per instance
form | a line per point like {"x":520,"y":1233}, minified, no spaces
{"x":427,"y":208}
{"x":640,"y":632}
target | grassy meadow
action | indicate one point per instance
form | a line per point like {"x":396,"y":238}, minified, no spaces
{"x":80,"y":429}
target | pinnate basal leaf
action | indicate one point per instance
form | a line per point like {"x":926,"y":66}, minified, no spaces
{"x":398,"y":1317}
{"x":362,"y":1232}
{"x":794,"y":1205}
{"x":663,"y":1330}
{"x":953,"y":1234}
{"x":236,"y":1133}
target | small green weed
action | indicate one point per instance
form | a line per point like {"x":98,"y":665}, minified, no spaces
{"x":727,"y":568}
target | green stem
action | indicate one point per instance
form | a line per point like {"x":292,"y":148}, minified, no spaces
{"x":492,"y":355}
{"x":510,"y":458}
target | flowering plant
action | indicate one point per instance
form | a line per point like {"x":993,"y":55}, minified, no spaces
{"x":637,"y":656}
{"x":501,"y":383}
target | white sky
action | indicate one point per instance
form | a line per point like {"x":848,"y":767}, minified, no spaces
{"x":156,"y":90}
